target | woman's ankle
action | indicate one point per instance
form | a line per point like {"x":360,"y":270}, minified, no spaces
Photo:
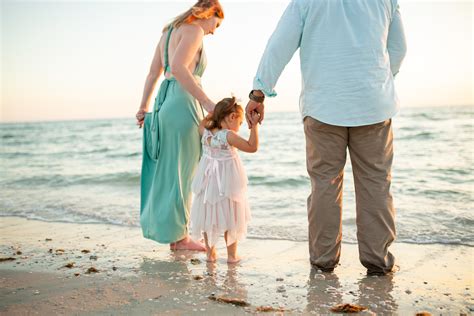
{"x":187,"y":244}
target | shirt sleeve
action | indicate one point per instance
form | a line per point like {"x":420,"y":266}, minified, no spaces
{"x":396,"y":42}
{"x":281,"y":46}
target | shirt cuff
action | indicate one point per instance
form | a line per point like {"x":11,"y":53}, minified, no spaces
{"x":258,"y":85}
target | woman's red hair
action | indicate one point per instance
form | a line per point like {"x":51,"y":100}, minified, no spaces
{"x":203,"y":9}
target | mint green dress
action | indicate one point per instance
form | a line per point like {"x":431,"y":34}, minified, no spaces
{"x":167,"y":173}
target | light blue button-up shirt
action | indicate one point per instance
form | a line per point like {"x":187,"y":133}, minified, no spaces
{"x":350,"y":51}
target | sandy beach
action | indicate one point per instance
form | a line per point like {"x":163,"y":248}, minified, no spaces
{"x":61,"y":268}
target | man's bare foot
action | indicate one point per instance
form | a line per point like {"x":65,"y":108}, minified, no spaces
{"x":187,"y":244}
{"x":211,"y":255}
{"x":232,"y":260}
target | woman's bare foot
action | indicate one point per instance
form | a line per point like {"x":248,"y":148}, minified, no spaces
{"x":234,"y":259}
{"x":211,"y":255}
{"x":187,"y":244}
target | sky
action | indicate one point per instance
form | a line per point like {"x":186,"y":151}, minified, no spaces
{"x":64,"y":60}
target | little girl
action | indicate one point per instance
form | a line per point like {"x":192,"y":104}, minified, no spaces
{"x":220,"y":185}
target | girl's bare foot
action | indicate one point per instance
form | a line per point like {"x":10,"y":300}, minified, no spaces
{"x":232,"y":260}
{"x":211,"y":255}
{"x":211,"y":251}
{"x":231,"y":251}
{"x":187,"y":244}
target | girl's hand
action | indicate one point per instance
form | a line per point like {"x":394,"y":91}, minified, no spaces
{"x":253,"y":106}
{"x":254,"y":118}
{"x":140,"y":116}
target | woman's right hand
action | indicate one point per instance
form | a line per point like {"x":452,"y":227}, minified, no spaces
{"x":140,"y":116}
{"x":208,"y":106}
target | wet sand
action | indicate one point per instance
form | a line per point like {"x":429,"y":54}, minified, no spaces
{"x":49,"y":275}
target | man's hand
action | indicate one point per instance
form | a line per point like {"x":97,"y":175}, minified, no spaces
{"x":253,"y":106}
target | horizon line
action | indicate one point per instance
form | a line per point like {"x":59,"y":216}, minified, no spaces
{"x":131,"y":117}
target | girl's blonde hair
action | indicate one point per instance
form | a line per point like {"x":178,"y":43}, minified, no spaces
{"x":203,"y":9}
{"x":223,"y":108}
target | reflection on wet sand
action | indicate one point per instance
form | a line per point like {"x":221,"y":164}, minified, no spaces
{"x":227,"y":284}
{"x":179,"y":271}
{"x":175,"y":271}
{"x":324,"y":291}
{"x":163,"y":268}
{"x":375,"y":293}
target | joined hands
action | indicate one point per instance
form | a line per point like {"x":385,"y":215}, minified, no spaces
{"x":254,"y":113}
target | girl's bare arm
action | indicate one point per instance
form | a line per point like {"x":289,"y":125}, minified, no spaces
{"x":250,"y":145}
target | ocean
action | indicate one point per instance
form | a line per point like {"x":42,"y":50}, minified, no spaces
{"x":88,"y":172}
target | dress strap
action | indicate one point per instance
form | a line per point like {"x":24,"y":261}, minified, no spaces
{"x":222,"y":136}
{"x":205,"y":133}
{"x":206,"y":137}
{"x":198,"y":69}
{"x":167,"y":66}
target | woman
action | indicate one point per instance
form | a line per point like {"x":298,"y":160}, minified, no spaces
{"x":167,"y":172}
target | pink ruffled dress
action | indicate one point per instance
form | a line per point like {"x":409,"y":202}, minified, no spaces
{"x":220,"y":191}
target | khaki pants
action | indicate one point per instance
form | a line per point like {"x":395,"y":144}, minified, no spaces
{"x":371,"y":151}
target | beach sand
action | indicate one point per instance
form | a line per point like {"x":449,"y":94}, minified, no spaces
{"x":139,"y":276}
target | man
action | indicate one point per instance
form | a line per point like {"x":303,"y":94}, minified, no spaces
{"x":350,"y":52}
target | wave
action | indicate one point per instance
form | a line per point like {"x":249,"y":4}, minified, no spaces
{"x":114,"y":179}
{"x":256,"y":233}
{"x":278,"y":182}
{"x":127,"y":155}
{"x":445,"y":193}
{"x":427,"y":116}
{"x":455,"y":171}
{"x":353,"y":241}
{"x":435,"y":241}
{"x":418,"y":136}
{"x":95,"y":151}
{"x":465,"y":221}
{"x":86,"y":221}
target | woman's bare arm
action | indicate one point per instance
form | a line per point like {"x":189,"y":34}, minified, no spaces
{"x":184,"y":55}
{"x":156,"y":69}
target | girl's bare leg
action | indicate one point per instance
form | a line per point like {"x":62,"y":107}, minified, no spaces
{"x":231,"y":251}
{"x":211,"y":251}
